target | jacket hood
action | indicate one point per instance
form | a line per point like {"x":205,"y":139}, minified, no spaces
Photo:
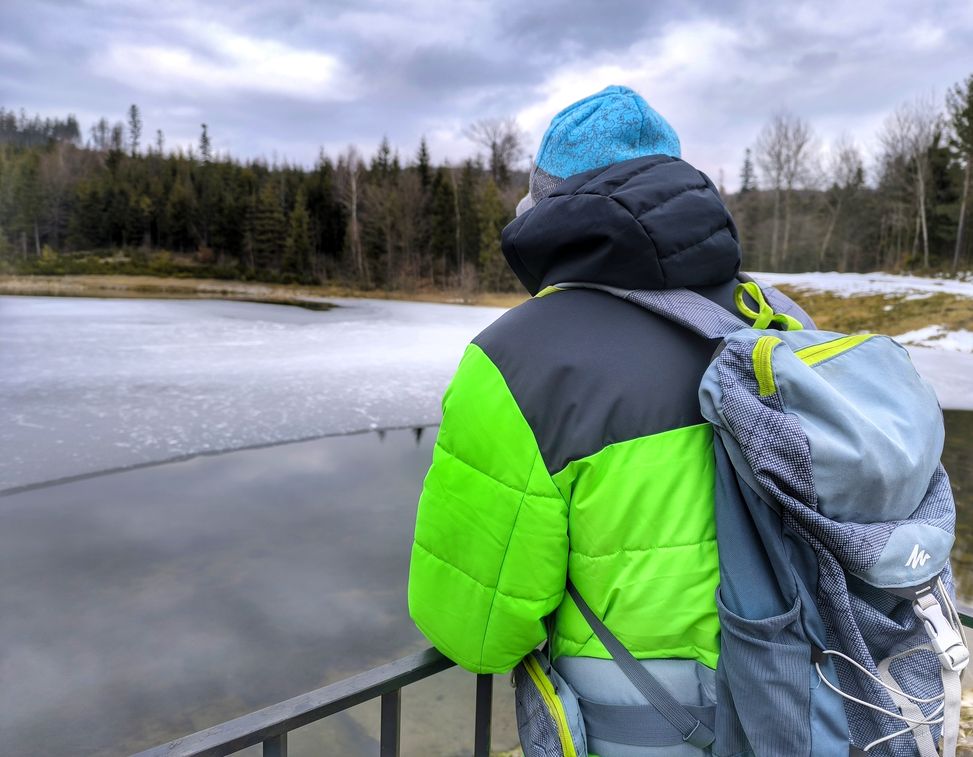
{"x":648,"y":223}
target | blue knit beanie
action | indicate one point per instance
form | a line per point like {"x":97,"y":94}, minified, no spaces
{"x":608,"y":127}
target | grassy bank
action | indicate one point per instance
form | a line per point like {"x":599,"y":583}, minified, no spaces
{"x":152,"y":287}
{"x":891,"y":314}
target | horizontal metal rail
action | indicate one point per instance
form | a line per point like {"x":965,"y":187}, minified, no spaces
{"x":271,"y":725}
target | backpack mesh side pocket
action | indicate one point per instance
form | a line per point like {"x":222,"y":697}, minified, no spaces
{"x":549,"y":720}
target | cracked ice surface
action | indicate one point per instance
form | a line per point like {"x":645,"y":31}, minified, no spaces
{"x":89,"y":385}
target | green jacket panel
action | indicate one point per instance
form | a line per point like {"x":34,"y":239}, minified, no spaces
{"x":489,"y":560}
{"x":643,"y":547}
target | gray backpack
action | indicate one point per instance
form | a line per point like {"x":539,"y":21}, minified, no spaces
{"x":834,"y":521}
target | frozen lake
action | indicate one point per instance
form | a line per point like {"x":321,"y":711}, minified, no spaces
{"x":139,"y":606}
{"x":91,"y":385}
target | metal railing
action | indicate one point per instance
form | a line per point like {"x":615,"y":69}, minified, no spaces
{"x":271,"y":725}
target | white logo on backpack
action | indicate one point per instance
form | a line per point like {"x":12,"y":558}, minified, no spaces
{"x":918,"y":557}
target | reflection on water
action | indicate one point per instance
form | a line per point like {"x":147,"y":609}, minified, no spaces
{"x":958,"y":459}
{"x":138,"y":607}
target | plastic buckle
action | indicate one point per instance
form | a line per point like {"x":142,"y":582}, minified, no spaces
{"x":946,"y":642}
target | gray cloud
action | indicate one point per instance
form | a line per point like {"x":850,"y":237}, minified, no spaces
{"x":293,"y":76}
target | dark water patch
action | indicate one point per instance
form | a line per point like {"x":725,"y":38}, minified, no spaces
{"x":138,"y":607}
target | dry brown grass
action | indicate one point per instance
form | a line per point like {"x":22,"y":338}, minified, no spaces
{"x":283,"y":294}
{"x":884,"y":314}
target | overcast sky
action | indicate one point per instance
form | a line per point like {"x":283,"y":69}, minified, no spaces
{"x":286,"y":78}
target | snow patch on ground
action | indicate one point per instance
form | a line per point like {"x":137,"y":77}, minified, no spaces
{"x":940,"y":338}
{"x":858,"y":284}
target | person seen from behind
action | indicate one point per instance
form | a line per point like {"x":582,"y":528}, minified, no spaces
{"x":572,"y":446}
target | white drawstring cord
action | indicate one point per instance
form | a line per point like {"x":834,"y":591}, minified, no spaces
{"x":879,"y":681}
{"x":935,"y":718}
{"x":909,"y":729}
{"x":871,"y":706}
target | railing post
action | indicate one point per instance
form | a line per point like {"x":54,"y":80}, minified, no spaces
{"x":484,"y":715}
{"x":276,"y":746}
{"x":391,"y":720}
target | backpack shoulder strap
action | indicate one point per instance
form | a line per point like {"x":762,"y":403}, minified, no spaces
{"x":693,"y":730}
{"x":682,"y":306}
{"x":704,"y":317}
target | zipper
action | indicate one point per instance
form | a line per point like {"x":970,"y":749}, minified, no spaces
{"x":553,"y":702}
{"x":763,"y":369}
{"x":818,"y":353}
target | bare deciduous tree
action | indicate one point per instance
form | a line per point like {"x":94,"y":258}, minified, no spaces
{"x":100,"y":132}
{"x":503,"y":140}
{"x":845,"y":175}
{"x":784,"y":150}
{"x":908,"y":135}
{"x":349,"y":174}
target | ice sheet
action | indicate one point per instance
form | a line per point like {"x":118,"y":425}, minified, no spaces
{"x":88,"y":385}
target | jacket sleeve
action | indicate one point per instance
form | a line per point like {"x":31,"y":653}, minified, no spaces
{"x":489,"y":559}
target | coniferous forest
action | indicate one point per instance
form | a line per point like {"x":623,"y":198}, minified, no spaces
{"x":114,"y":199}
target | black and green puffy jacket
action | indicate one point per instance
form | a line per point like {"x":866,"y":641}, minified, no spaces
{"x":572,"y":443}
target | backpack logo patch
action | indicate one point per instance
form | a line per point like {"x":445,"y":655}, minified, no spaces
{"x":918,"y":557}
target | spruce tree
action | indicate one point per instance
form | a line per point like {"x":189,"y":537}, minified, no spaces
{"x":297,"y":249}
{"x":748,"y":179}
{"x":268,"y":228}
{"x":180,"y":221}
{"x":28,"y":203}
{"x":134,"y":128}
{"x":469,"y":216}
{"x":382,"y":162}
{"x":422,"y":165}
{"x":492,"y":221}
{"x":959,"y":103}
{"x":115,"y":149}
{"x":442,"y":222}
{"x":205,"y":147}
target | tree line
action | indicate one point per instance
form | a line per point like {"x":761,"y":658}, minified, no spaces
{"x":806,"y":206}
{"x":110,"y":203}
{"x":113,"y":201}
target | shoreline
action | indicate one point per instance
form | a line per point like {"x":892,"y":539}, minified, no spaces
{"x":314,"y":297}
